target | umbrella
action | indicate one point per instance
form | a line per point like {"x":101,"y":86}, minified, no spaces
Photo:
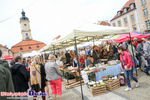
{"x":8,"y":57}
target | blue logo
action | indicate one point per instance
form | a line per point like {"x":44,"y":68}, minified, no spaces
{"x":33,"y":93}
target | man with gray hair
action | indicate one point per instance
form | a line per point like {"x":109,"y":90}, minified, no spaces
{"x":147,"y":55}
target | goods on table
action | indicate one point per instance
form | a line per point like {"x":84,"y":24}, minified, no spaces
{"x":110,"y":76}
{"x":86,"y":69}
{"x":99,"y":90}
{"x":118,"y":62}
{"x":112,"y":85}
{"x":112,"y":62}
{"x":104,"y":78}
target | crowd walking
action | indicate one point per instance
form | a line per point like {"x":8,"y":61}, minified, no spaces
{"x":37,"y":72}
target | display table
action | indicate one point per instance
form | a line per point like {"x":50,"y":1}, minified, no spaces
{"x":88,"y":72}
{"x":109,"y":70}
{"x":67,"y":71}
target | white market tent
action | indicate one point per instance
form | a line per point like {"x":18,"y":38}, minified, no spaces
{"x":33,"y":53}
{"x":83,"y":33}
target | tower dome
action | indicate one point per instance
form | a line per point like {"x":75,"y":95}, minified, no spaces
{"x":23,"y":16}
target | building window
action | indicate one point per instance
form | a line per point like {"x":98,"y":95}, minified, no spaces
{"x":125,"y":10}
{"x":119,"y":13}
{"x":21,"y":49}
{"x":145,"y":12}
{"x":114,"y":24}
{"x":125,"y":20}
{"x":147,"y":24}
{"x":119,"y":23}
{"x":131,"y":6}
{"x":25,"y":24}
{"x":27,"y":36}
{"x":143,"y":2}
{"x":37,"y":46}
{"x":132,"y":17}
{"x":134,"y":27}
{"x":29,"y":47}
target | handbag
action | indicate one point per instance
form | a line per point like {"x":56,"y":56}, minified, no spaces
{"x":128,"y":68}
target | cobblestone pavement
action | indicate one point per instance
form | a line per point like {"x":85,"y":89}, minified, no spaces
{"x":140,"y":93}
{"x":67,"y":94}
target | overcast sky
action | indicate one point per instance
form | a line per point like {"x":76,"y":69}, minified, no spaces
{"x":50,"y":18}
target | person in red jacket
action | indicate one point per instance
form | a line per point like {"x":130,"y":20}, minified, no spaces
{"x":127,"y":65}
{"x":81,"y":61}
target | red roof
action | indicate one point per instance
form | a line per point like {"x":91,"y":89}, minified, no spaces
{"x":126,"y":5}
{"x":2,"y":46}
{"x":105,"y":23}
{"x":25,"y":44}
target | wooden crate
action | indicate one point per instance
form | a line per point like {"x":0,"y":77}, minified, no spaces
{"x":134,"y":75}
{"x":98,"y":90}
{"x":112,"y":85}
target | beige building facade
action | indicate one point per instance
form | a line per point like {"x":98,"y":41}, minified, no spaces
{"x":5,"y":51}
{"x":135,"y":14}
{"x":143,"y":7}
{"x":127,"y":17}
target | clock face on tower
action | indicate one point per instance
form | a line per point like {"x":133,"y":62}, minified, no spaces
{"x":25,"y":24}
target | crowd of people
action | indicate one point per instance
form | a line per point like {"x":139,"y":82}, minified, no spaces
{"x":31,"y":73}
{"x":37,"y":72}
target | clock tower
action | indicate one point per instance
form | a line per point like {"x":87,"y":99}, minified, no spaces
{"x":25,"y":27}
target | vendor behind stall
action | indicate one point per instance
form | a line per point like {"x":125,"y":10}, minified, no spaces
{"x":111,"y":56}
{"x":87,"y":61}
{"x":96,"y":55}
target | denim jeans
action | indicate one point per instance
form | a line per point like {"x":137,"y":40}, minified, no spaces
{"x":128,"y":74}
{"x":148,"y":67}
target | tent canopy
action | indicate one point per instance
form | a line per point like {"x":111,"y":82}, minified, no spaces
{"x":125,"y":37}
{"x":84,"y":32}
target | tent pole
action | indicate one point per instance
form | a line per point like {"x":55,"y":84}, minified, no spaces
{"x":78,"y":67}
{"x":54,"y":49}
{"x":133,"y":54}
{"x":93,"y":41}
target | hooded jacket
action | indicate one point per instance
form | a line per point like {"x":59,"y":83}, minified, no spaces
{"x":6,"y":83}
{"x":20,"y":77}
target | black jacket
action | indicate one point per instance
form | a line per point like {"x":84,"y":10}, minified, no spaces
{"x":20,"y":77}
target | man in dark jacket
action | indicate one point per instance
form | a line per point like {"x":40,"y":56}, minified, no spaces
{"x":20,"y":75}
{"x":5,"y":78}
{"x":68,"y":57}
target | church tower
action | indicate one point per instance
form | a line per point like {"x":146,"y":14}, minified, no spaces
{"x":25,"y":27}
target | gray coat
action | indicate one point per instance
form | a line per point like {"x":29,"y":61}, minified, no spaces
{"x":147,"y":49}
{"x":139,"y":49}
{"x":87,"y":62}
{"x":52,"y":71}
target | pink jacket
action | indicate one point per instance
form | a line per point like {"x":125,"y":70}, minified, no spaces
{"x":127,"y":59}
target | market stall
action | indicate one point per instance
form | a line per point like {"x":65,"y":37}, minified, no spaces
{"x":83,"y":33}
{"x":125,"y":37}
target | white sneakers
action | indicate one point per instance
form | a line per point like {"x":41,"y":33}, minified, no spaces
{"x":129,"y":89}
{"x":137,"y":85}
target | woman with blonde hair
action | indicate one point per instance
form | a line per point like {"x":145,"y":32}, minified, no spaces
{"x":37,"y":76}
{"x":53,"y":75}
{"x":46,"y":87}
